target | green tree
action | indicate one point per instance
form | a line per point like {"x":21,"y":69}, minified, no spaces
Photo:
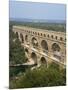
{"x":40,"y":77}
{"x":16,"y":51}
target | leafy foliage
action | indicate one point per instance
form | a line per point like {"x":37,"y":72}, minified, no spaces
{"x":16,"y":52}
{"x":40,"y":77}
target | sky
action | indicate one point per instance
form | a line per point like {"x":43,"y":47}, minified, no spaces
{"x":36,"y":10}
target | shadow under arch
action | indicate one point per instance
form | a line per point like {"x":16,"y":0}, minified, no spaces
{"x":44,"y":46}
{"x":34,"y":57}
{"x":56,"y":51}
{"x":17,"y":35}
{"x":22,"y":38}
{"x":55,"y":47}
{"x":26,"y":38}
{"x":34,"y":42}
{"x":43,"y":61}
{"x":26,"y":50}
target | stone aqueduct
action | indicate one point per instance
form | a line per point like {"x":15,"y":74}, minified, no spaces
{"x":42,"y":46}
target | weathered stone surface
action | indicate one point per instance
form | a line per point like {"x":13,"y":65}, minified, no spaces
{"x":43,"y":46}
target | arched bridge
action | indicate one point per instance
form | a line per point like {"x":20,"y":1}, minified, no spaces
{"x":42,"y":46}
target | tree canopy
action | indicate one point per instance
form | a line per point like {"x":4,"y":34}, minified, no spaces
{"x":16,"y":51}
{"x":40,"y":77}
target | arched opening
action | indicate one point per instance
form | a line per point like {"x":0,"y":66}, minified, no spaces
{"x":22,"y":39}
{"x":55,"y":47}
{"x":34,"y":57}
{"x":38,"y":33}
{"x":43,"y":61}
{"x":56,"y":37}
{"x":61,"y":38}
{"x":44,"y":35}
{"x":44,"y":46}
{"x":26,"y":37}
{"x":52,"y":36}
{"x":56,"y":51}
{"x":16,"y":34}
{"x":26,"y":50}
{"x":34,"y":42}
{"x":41,"y":34}
{"x":48,"y":35}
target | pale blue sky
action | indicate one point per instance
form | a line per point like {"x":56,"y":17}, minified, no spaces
{"x":31,"y":10}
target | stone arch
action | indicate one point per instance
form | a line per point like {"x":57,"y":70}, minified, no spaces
{"x":55,"y":47}
{"x":56,"y":37}
{"x":22,"y":38}
{"x":44,"y":45}
{"x":52,"y":36}
{"x":56,"y":50}
{"x":34,"y":57}
{"x":44,"y":35}
{"x":43,"y":61}
{"x":48,"y":35}
{"x":41,"y":34}
{"x":16,"y":34}
{"x":26,"y":37}
{"x":26,"y":50}
{"x":38,"y":33}
{"x":61,"y":38}
{"x":34,"y":42}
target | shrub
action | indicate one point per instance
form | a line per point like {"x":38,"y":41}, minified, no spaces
{"x":40,"y":78}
